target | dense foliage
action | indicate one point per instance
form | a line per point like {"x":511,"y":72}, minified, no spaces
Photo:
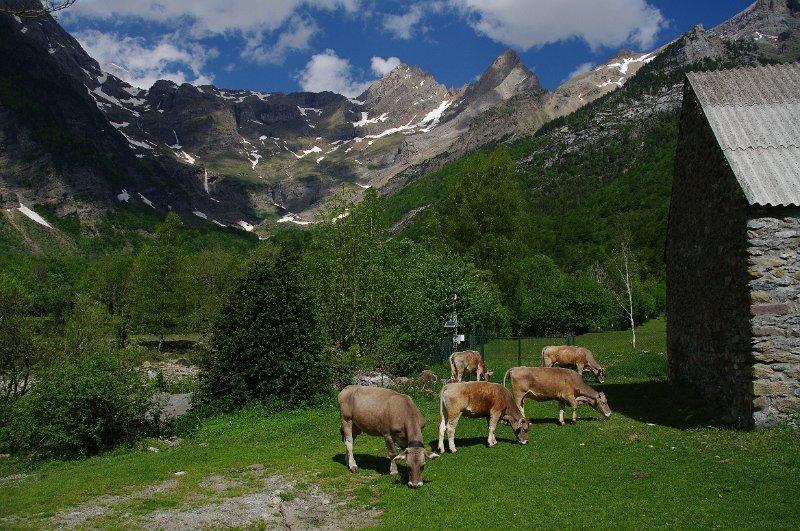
{"x":79,"y":406}
{"x":265,"y":341}
{"x":382,"y":301}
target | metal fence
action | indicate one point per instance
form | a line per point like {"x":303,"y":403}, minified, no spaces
{"x":502,"y":351}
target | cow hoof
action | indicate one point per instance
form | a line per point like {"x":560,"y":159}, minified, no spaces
{"x":393,"y":472}
{"x":353,"y":469}
{"x":561,"y":423}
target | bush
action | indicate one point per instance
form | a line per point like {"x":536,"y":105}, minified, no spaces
{"x":265,"y":344}
{"x":79,"y":407}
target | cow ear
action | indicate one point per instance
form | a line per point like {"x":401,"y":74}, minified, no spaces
{"x":431,"y":455}
{"x":400,"y":456}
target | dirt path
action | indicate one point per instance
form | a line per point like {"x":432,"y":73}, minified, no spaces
{"x":253,"y":497}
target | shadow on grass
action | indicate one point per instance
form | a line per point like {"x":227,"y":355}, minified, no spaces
{"x":657,"y":402}
{"x":379,"y":464}
{"x":471,"y":441}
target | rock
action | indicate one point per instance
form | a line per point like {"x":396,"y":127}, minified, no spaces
{"x":765,"y":388}
{"x":256,"y":467}
{"x":402,"y":380}
{"x":153,"y":449}
{"x":632,"y":437}
{"x":180,"y":473}
{"x":373,"y":379}
{"x":789,"y":405}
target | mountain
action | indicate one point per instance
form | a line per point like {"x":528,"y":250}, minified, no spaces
{"x":82,"y":142}
{"x":79,"y":141}
{"x":604,"y":170}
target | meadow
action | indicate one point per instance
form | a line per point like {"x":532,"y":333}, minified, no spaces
{"x":655,"y":462}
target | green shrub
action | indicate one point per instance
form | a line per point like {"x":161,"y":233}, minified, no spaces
{"x":79,"y":407}
{"x":265,"y":345}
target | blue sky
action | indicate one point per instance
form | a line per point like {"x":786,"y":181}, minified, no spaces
{"x":343,"y":45}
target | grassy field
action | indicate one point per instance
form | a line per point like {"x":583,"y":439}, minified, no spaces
{"x":654,"y":463}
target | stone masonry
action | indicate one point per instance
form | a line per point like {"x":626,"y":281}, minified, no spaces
{"x":774,"y":271}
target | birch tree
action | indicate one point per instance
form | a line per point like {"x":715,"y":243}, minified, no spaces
{"x":619,"y":282}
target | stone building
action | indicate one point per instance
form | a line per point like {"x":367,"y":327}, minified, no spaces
{"x":733,"y":268}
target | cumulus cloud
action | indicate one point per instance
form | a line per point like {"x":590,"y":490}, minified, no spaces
{"x":328,"y":71}
{"x":402,"y":25}
{"x":383,"y":66}
{"x":296,"y":37}
{"x":525,"y":24}
{"x":270,"y":29}
{"x":141,"y":64}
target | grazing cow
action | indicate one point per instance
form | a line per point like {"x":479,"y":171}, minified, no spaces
{"x":388,"y":414}
{"x":578,"y":358}
{"x":478,"y":399}
{"x":428,"y":376}
{"x":552,"y":383}
{"x":468,"y":362}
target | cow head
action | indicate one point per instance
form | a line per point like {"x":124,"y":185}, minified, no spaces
{"x":600,"y":403}
{"x":415,"y":456}
{"x":520,"y":425}
{"x":600,"y":374}
{"x":487,"y":375}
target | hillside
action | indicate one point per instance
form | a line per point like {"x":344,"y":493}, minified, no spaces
{"x":81,"y":143}
{"x":593,"y":178}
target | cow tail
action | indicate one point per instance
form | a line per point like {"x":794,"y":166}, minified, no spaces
{"x":506,"y":376}
{"x":543,"y":354}
{"x":452,"y":368}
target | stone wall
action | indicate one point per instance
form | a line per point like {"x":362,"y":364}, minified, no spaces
{"x":708,"y":296}
{"x":774,"y":269}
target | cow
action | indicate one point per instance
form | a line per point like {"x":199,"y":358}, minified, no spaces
{"x":554,"y":383}
{"x":579,"y":358}
{"x":468,"y":362}
{"x":388,"y":414}
{"x":478,"y":399}
{"x":428,"y":376}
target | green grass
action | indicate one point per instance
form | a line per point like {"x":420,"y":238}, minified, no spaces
{"x":678,"y":473}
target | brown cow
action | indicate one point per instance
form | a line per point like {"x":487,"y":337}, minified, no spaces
{"x":428,"y":376}
{"x":552,"y":383}
{"x":578,"y":358}
{"x":478,"y":399}
{"x":468,"y":362}
{"x":388,"y":414}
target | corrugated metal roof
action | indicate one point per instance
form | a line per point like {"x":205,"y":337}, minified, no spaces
{"x":755,"y":115}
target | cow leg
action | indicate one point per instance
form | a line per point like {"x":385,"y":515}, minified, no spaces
{"x":442,"y":428}
{"x":493,"y":418}
{"x":451,"y":431}
{"x":348,"y":437}
{"x":392,"y":455}
{"x":561,"y":413}
{"x":518,"y":400}
{"x":574,"y":404}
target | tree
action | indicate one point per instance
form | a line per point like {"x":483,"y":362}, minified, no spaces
{"x":16,"y":351}
{"x":45,"y":7}
{"x":156,"y":296}
{"x":619,"y":280}
{"x":265,"y":342}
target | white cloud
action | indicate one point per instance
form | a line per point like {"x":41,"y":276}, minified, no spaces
{"x":402,"y":25}
{"x":525,"y":24}
{"x":142,"y":64}
{"x":296,"y":37}
{"x":580,"y":69}
{"x":383,"y":66}
{"x":255,"y":21}
{"x":328,"y":71}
